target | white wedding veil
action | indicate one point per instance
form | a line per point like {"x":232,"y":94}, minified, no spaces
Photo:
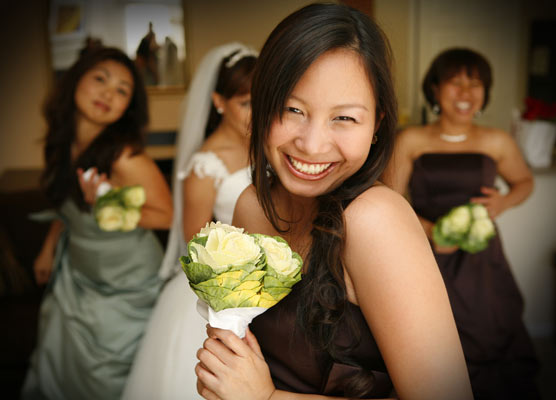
{"x":196,"y":108}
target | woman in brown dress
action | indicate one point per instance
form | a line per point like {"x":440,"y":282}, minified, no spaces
{"x":371,"y":316}
{"x":448,"y":163}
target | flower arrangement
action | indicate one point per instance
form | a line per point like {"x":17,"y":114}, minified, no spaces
{"x":539,"y":110}
{"x":236,"y":275}
{"x":119,"y":209}
{"x":467,"y":226}
{"x":116,"y":209}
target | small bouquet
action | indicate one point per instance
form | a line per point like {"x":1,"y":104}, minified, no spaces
{"x":120,"y":208}
{"x":467,"y":226}
{"x":117,"y":209}
{"x":238,"y":276}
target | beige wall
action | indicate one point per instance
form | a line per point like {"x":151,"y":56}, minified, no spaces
{"x":215,"y":22}
{"x":394,"y":17}
{"x":24,"y":82}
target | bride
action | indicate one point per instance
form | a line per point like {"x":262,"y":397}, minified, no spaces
{"x":208,"y":179}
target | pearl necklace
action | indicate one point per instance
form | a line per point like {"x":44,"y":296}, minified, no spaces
{"x":453,"y":138}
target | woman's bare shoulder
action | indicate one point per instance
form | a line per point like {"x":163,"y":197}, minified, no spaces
{"x":379,"y":208}
{"x":412,"y":133}
{"x":131,"y":161}
{"x":248,"y":213}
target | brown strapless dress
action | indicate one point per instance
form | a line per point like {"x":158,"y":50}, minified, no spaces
{"x":485,"y":298}
{"x":296,"y":367}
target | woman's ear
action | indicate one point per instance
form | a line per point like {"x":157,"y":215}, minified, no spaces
{"x":218,"y":101}
{"x":435,"y":93}
{"x":378,"y":121}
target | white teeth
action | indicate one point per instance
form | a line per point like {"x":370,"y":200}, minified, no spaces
{"x":311,"y":169}
{"x":463,"y":105}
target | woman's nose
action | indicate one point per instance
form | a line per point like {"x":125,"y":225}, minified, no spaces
{"x":313,"y":138}
{"x":107,"y":93}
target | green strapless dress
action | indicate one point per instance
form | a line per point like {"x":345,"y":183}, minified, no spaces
{"x":101,"y":294}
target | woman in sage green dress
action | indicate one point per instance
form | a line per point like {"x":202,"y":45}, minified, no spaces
{"x":101,"y":285}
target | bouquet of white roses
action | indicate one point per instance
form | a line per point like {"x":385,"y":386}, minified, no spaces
{"x":467,"y":226}
{"x":120,"y":208}
{"x":117,"y":209}
{"x":237,"y":275}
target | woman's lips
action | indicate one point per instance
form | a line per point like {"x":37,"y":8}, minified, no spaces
{"x":309,"y":171}
{"x":102,"y":106}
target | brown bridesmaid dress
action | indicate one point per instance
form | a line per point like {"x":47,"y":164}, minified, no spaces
{"x":485,"y":299}
{"x":296,"y":367}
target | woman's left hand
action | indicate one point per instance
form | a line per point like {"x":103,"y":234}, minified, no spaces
{"x":492,"y":200}
{"x":232,"y":368}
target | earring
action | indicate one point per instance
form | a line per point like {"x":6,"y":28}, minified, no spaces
{"x":375,"y":139}
{"x":478,"y":113}
{"x":436,"y":109}
{"x":219,"y":110}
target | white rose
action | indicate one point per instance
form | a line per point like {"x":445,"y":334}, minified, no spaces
{"x":110,"y":218}
{"x":218,"y":225}
{"x":131,"y":219}
{"x":134,"y":196}
{"x":225,"y":249}
{"x":279,"y":255}
{"x":481,"y":229}
{"x":459,"y":219}
{"x":479,"y":211}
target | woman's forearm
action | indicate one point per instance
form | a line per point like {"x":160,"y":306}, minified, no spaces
{"x":518,"y":193}
{"x":155,"y":218}
{"x":51,"y":239}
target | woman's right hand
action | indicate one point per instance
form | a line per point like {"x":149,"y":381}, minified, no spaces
{"x":428,"y":228}
{"x":42,"y":267}
{"x":445,"y":249}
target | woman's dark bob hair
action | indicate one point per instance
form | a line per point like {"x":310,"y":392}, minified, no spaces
{"x":296,"y":43}
{"x":451,"y":62}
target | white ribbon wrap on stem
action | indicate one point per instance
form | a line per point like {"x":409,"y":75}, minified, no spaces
{"x":233,"y":319}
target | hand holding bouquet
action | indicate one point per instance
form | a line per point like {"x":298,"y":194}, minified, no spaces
{"x":467,"y":226}
{"x":238,"y":275}
{"x":117,"y":209}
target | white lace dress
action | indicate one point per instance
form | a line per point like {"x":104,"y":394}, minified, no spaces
{"x":164,"y":365}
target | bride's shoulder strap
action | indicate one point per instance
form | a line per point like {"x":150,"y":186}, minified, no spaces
{"x":206,"y":164}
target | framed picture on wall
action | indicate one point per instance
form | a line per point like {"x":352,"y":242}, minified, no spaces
{"x":67,"y":19}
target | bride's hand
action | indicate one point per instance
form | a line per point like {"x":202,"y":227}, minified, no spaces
{"x":232,"y":368}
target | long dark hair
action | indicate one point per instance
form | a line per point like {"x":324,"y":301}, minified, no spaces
{"x":452,"y":61}
{"x":290,"y":49}
{"x":234,"y":80}
{"x":59,"y":179}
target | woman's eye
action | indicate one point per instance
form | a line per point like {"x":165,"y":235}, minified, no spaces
{"x":99,"y":78}
{"x":345,"y":118}
{"x":123,"y":92}
{"x":245,"y":104}
{"x":294,"y":110}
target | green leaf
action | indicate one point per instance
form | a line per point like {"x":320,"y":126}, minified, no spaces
{"x":249,"y":285}
{"x":255,"y":276}
{"x":196,"y":272}
{"x":276,"y":293}
{"x":236,"y":298}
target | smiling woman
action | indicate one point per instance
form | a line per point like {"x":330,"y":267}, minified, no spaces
{"x":104,"y":92}
{"x":101,"y":285}
{"x":326,"y":131}
{"x":358,"y":324}
{"x":451,"y":162}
